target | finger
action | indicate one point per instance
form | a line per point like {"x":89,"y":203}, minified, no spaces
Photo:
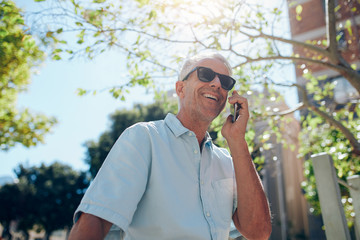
{"x":228,"y":120}
{"x":237,"y":99}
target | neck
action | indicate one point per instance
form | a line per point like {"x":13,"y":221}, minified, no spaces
{"x":197,"y":126}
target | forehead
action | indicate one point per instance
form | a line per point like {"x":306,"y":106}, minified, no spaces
{"x":215,"y":64}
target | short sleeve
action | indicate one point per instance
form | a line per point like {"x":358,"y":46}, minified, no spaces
{"x":122,"y":179}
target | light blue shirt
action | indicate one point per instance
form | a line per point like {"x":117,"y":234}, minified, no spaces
{"x":156,"y":184}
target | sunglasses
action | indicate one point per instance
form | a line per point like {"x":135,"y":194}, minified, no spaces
{"x":207,"y":75}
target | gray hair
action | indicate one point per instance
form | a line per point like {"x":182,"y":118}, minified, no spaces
{"x":192,"y":61}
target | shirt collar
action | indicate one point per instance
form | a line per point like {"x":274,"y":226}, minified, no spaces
{"x":175,"y":125}
{"x":208,"y":140}
{"x":178,"y":129}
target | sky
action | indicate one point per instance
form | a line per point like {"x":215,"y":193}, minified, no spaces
{"x":80,"y":118}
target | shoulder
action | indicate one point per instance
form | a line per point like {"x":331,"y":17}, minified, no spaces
{"x":143,"y":127}
{"x":143,"y":131}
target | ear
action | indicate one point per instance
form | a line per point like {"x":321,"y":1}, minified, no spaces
{"x":180,"y":88}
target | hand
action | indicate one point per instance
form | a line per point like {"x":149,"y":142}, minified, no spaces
{"x":236,"y":130}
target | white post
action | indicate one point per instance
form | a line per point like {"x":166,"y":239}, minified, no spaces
{"x":330,"y":199}
{"x":354,"y":182}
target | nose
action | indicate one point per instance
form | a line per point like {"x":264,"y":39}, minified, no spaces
{"x":216,"y":82}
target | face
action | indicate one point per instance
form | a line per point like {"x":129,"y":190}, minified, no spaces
{"x":203,"y":100}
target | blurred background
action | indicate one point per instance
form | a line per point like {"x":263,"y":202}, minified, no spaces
{"x":74,"y":75}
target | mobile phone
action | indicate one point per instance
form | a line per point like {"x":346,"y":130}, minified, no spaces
{"x":236,"y":108}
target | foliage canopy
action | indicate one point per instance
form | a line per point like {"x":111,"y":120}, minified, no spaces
{"x":19,"y":54}
{"x":44,"y":198}
{"x":157,"y":35}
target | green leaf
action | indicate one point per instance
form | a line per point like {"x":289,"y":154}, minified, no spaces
{"x":338,"y":37}
{"x":298,"y":11}
{"x":337,"y":8}
{"x":56,"y":57}
{"x":348,"y":27}
{"x":351,"y":116}
{"x":19,"y":21}
{"x":152,"y":14}
{"x":58,"y":50}
{"x":81,"y":91}
{"x":3,"y":33}
{"x":49,"y":34}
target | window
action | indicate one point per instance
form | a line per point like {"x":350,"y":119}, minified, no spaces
{"x":343,"y":91}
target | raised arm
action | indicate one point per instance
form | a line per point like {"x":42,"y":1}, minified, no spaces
{"x":89,"y":227}
{"x":252,"y":216}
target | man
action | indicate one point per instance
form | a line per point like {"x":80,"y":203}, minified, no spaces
{"x":166,"y":180}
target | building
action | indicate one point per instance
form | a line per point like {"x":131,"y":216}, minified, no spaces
{"x":312,"y":28}
{"x":282,"y":172}
{"x":308,"y":24}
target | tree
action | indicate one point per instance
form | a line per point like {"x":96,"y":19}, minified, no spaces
{"x":217,"y":25}
{"x":44,"y":198}
{"x":13,"y":199}
{"x":157,"y":33}
{"x":19,"y":54}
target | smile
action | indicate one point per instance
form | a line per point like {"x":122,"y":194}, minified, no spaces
{"x":210,"y":96}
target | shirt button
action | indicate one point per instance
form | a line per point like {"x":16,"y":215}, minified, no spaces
{"x":202,"y":182}
{"x":190,"y":134}
{"x":195,"y":151}
{"x":208,"y":214}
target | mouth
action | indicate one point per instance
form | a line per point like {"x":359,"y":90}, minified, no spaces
{"x":210,"y":96}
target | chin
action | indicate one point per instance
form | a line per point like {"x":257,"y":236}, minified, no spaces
{"x":210,"y":117}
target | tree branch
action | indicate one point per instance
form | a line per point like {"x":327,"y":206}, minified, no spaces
{"x":146,"y":60}
{"x":311,"y":47}
{"x":337,"y":68}
{"x":151,"y":35}
{"x":331,"y":31}
{"x":353,"y":141}
{"x":337,"y":124}
{"x":289,"y":111}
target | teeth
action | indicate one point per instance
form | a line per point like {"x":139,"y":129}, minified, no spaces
{"x":210,"y":96}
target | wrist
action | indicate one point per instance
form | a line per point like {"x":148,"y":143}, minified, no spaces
{"x":238,"y":144}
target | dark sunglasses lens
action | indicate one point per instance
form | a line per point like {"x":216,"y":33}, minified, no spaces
{"x":226,"y":82}
{"x":206,"y":74}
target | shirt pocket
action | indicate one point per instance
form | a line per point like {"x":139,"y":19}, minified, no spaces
{"x":224,"y":198}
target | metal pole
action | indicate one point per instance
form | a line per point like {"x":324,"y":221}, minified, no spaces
{"x":281,"y":195}
{"x":330,"y":199}
{"x":354,"y":182}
